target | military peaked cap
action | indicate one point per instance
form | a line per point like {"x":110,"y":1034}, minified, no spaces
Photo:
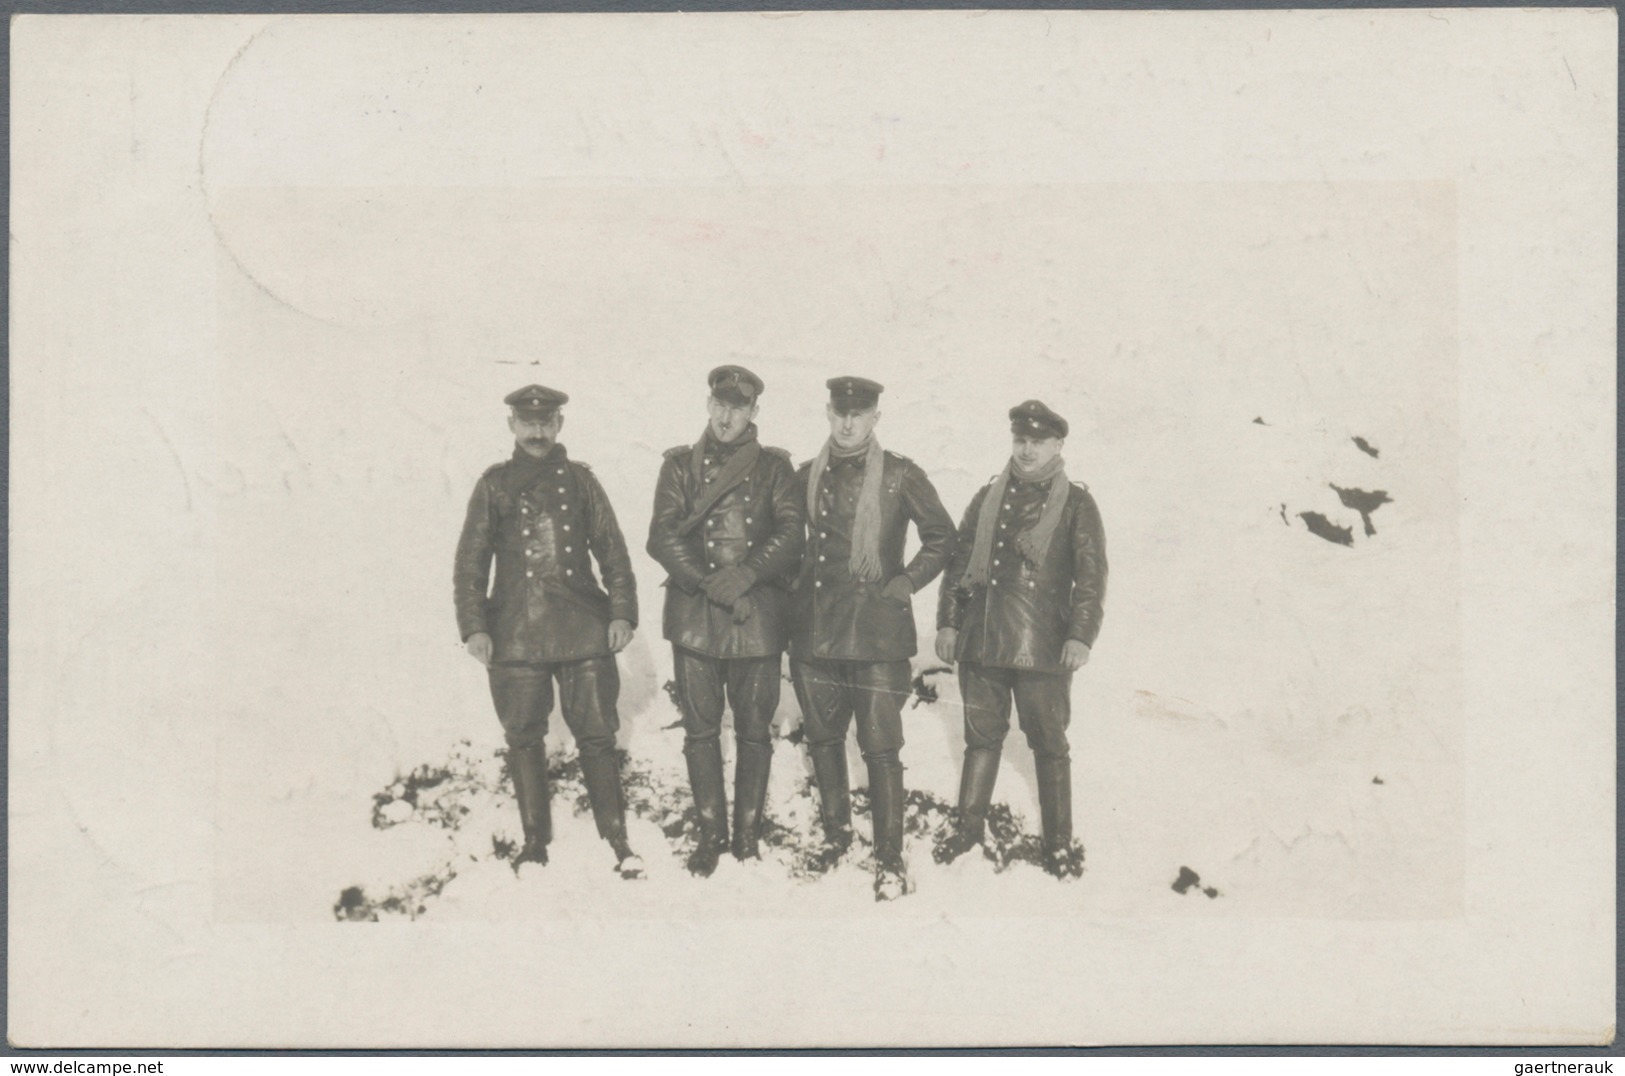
{"x":1033,"y":419}
{"x":535,"y":401}
{"x":854,"y":393}
{"x":735,"y":385}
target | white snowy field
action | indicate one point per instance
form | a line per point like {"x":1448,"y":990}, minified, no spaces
{"x":1273,"y":710}
{"x":272,"y":276}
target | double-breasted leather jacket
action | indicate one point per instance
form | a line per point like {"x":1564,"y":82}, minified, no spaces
{"x":757,"y":524}
{"x":837,"y":617}
{"x":543,"y":522}
{"x":1025,"y":614}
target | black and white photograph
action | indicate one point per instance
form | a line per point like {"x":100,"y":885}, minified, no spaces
{"x":812,"y":529}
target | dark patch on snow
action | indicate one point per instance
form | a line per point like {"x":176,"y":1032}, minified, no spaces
{"x":1367,"y":447}
{"x":1378,"y":781}
{"x":1322,"y":527}
{"x":352,"y":904}
{"x":670,"y":688}
{"x":924,"y":690}
{"x":410,"y":900}
{"x":1285,"y":520}
{"x":1259,"y":421}
{"x":1189,"y":880}
{"x":796,"y":735}
{"x":430,"y":793}
{"x":437,"y":795}
{"x":1363,"y":501}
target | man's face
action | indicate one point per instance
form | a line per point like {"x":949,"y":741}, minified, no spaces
{"x":849,"y":429}
{"x":728,"y":420}
{"x":535,"y":436}
{"x":1031,"y":453}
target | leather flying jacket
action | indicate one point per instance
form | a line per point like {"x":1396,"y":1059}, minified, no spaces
{"x":1022,"y":618}
{"x":757,"y":524}
{"x":539,"y":520}
{"x":837,"y":617}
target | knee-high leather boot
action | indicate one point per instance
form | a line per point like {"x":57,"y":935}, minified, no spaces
{"x":751,"y":768}
{"x":527,"y":766}
{"x":704,"y":759}
{"x":886,"y":807}
{"x":975,"y":794}
{"x":834,"y":797}
{"x":1062,"y":857}
{"x":602,"y":775}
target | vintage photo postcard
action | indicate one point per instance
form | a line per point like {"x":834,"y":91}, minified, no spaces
{"x":794,"y":529}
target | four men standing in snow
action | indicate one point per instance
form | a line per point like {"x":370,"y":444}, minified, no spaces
{"x":760,"y":557}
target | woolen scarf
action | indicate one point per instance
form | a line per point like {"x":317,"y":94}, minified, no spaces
{"x":865,"y":559}
{"x":1032,"y":544}
{"x":735,"y":471}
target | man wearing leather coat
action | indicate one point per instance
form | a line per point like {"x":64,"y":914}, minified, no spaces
{"x":728,"y":528}
{"x":852,"y":624}
{"x":1019,"y":610}
{"x":543,"y":518}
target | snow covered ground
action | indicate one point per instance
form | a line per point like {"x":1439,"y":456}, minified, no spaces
{"x":1264,"y":708}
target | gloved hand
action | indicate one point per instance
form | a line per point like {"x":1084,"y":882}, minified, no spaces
{"x":898,"y":590}
{"x":1074,"y":655}
{"x":744,"y":609}
{"x":728,"y":585}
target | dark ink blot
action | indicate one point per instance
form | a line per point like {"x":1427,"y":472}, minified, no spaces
{"x":1378,"y":781}
{"x":1363,"y":501}
{"x":1322,"y":527}
{"x":1367,"y":447}
{"x":1259,"y":421}
{"x":1210,"y":891}
{"x":1186,"y":879}
{"x":1285,"y":520}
